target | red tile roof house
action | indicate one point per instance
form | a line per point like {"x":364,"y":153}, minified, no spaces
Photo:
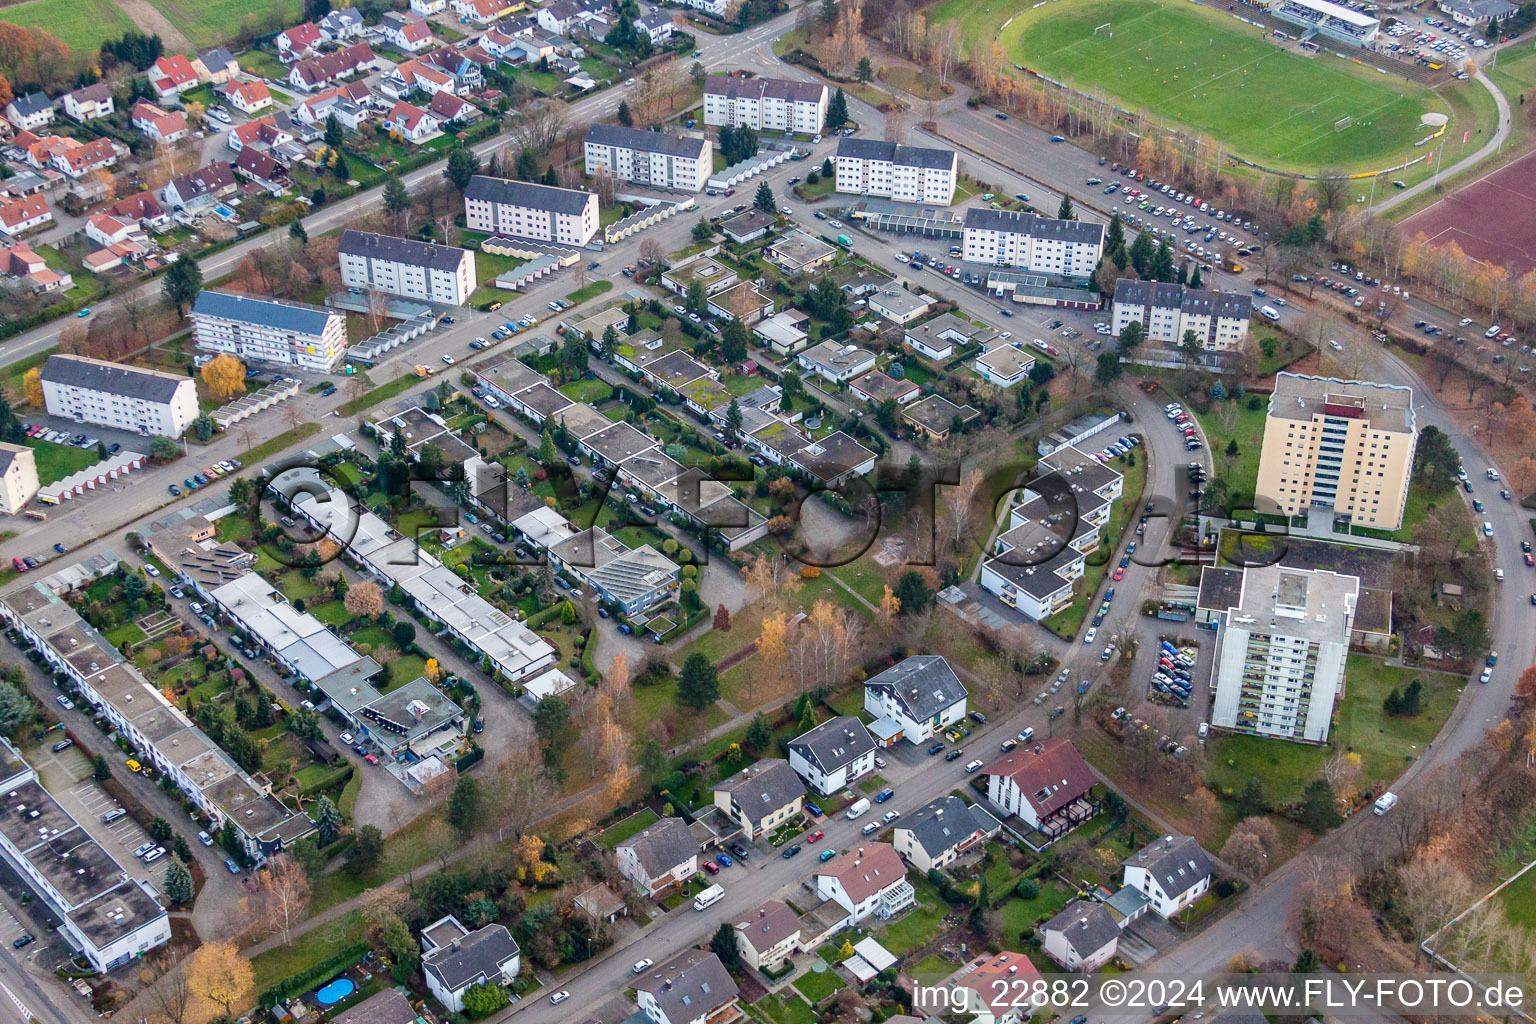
{"x":262,"y":133}
{"x":261,"y":168}
{"x":106,"y":230}
{"x":993,"y":988}
{"x":20,"y":215}
{"x":143,"y":208}
{"x":79,"y":160}
{"x":172,"y":76}
{"x":21,"y":263}
{"x":447,"y":107}
{"x":248,"y":97}
{"x":1047,"y":785}
{"x":294,"y":43}
{"x":318,"y":72}
{"x":869,"y":879}
{"x":160,"y":125}
{"x":409,"y":31}
{"x":411,"y":122}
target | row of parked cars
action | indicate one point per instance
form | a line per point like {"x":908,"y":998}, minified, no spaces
{"x":207,"y":476}
{"x":64,"y":437}
{"x":1181,"y":419}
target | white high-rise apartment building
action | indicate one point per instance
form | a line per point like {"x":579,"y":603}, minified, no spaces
{"x":150,"y":402}
{"x":1282,"y":651}
{"x":908,"y":174}
{"x":765,"y":104}
{"x":1061,"y":248}
{"x":262,"y":330}
{"x":541,"y":213}
{"x":442,"y":274}
{"x":650,"y":158}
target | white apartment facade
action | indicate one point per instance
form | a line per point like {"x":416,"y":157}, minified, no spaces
{"x":1166,"y":311}
{"x":907,"y":174}
{"x":1283,"y":649}
{"x":268,"y":331}
{"x":148,"y":402}
{"x":521,"y":209}
{"x":765,"y":104}
{"x":649,"y":158}
{"x":1060,"y":248}
{"x":440,"y":274}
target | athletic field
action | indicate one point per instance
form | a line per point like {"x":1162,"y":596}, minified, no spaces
{"x":1203,"y":69}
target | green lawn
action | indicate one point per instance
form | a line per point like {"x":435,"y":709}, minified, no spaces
{"x":384,"y":392}
{"x":82,"y":25}
{"x":816,"y":987}
{"x":589,"y":391}
{"x":924,"y":85}
{"x":1234,"y":421}
{"x":1519,"y":900}
{"x":920,"y":924}
{"x":281,"y":961}
{"x":1386,"y":744}
{"x":1193,"y":65}
{"x":626,"y":828}
{"x":787,"y":1008}
{"x":590,"y":291}
{"x":276,"y":444}
{"x":57,"y":461}
{"x":206,"y":22}
{"x":1018,"y":916}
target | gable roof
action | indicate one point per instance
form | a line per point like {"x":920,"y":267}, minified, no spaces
{"x":295,"y":317}
{"x":834,"y":743}
{"x":217,"y":175}
{"x":19,"y":211}
{"x":866,"y":870}
{"x":401,"y":250}
{"x":215,"y":58}
{"x":923,"y":685}
{"x":1049,"y":774}
{"x":1177,"y":862}
{"x":249,"y":92}
{"x":689,"y":986}
{"x":768,"y":925}
{"x":507,"y":192}
{"x":941,"y":824}
{"x":905,"y":156}
{"x":661,"y":847}
{"x":761,"y":88}
{"x":407,"y":115}
{"x":447,"y":106}
{"x":92,"y":93}
{"x":259,"y":165}
{"x":764,"y":787}
{"x":1088,"y":927}
{"x":646,"y":141}
{"x":176,"y":69}
{"x":387,"y":1007}
{"x":477,"y":956}
{"x":30,"y":103}
{"x":994,"y":979}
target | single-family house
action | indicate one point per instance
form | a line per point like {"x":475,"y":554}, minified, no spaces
{"x":349,"y":104}
{"x":457,"y":959}
{"x":659,"y":858}
{"x":836,"y":362}
{"x":938,"y":337}
{"x":262,"y":133}
{"x":445,"y":106}
{"x":691,"y":988}
{"x":84,"y":157}
{"x":1172,"y":873}
{"x":482,"y":12}
{"x":161,"y":125}
{"x":868,"y":879}
{"x":427,"y":8}
{"x":104,"y":229}
{"x":89,"y":103}
{"x":988,"y":989}
{"x":171,"y":76}
{"x":406,"y":31}
{"x":200,"y":188}
{"x":938,"y":833}
{"x":1082,"y":937}
{"x":21,"y":215}
{"x":762,"y":796}
{"x":411,"y":122}
{"x":21,"y":264}
{"x":915,"y":699}
{"x":215,"y":65}
{"x":29,"y":111}
{"x":834,"y":755}
{"x":248,"y":97}
{"x":144,"y":208}
{"x":340,"y":25}
{"x":1046,"y":783}
{"x":876,"y":387}
{"x":297,"y":42}
{"x":262,"y":168}
{"x":768,"y":936}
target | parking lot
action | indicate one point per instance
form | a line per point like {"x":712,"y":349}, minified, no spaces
{"x":88,"y":803}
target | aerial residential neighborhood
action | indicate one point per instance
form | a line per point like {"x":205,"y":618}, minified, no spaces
{"x":687,"y":512}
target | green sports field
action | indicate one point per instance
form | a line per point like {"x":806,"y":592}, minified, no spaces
{"x":1202,"y":69}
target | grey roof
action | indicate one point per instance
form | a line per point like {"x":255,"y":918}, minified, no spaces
{"x":297,"y":317}
{"x":776,"y":88}
{"x":415,"y":709}
{"x":215,"y":57}
{"x":1177,"y":862}
{"x":476,"y":957}
{"x":112,"y":378}
{"x":1087,"y":926}
{"x":8,"y":453}
{"x":834,"y":743}
{"x":663,"y":846}
{"x":689,"y":986}
{"x":646,"y":141}
{"x":401,"y":250}
{"x":923,"y":684}
{"x":1197,"y":301}
{"x":619,"y":442}
{"x":906,"y":156}
{"x":980,"y":219}
{"x":762,"y":788}
{"x":524,"y":193}
{"x":98,"y":92}
{"x":387,"y":1007}
{"x":940,"y":824}
{"x":830,"y":457}
{"x":1221,"y":588}
{"x":747,"y":223}
{"x":30,"y":103}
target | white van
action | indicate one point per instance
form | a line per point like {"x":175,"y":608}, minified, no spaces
{"x":1385,"y":802}
{"x":1270,"y":313}
{"x":859,"y":807}
{"x":708,"y":898}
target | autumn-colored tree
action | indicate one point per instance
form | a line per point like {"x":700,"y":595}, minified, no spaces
{"x":432,"y":670}
{"x":285,"y":890}
{"x":1525,"y":686}
{"x":220,"y":978}
{"x":225,"y":376}
{"x":1203,"y":802}
{"x":889,"y":608}
{"x":773,"y":643}
{"x":5,"y":91}
{"x":105,"y":182}
{"x":363,"y":600}
{"x":722,"y":620}
{"x":32,"y":386}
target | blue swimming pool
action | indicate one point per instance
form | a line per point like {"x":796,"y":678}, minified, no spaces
{"x":224,"y":212}
{"x":335,"y":992}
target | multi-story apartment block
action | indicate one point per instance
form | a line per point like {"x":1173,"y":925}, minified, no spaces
{"x":1167,"y":311}
{"x":541,"y":213}
{"x":765,"y":104}
{"x":1060,"y":248}
{"x":261,"y":330}
{"x":908,"y":174}
{"x":650,"y":158}
{"x":103,"y":914}
{"x":18,"y":477}
{"x":1051,"y":531}
{"x":1340,"y":445}
{"x":1280,"y":657}
{"x":443,"y":274}
{"x":151,"y":402}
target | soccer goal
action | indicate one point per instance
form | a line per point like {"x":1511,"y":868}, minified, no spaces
{"x":1343,"y":122}
{"x":1104,"y":28}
